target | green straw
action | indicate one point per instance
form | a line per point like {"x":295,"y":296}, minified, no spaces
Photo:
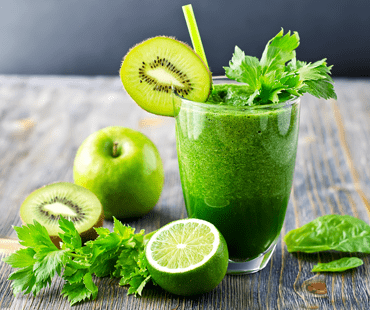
{"x":194,"y":32}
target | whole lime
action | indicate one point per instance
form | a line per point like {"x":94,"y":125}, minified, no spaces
{"x":187,"y":257}
{"x":123,"y":168}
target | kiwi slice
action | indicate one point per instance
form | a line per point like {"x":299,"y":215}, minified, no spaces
{"x":72,"y":201}
{"x":150,"y":70}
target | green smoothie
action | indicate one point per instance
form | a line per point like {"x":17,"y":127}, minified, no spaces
{"x":236,"y":166}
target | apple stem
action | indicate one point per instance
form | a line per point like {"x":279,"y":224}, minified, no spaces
{"x":115,"y":147}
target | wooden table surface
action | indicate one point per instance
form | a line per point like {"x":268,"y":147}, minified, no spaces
{"x":44,"y":119}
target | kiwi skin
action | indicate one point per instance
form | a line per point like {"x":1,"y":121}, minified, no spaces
{"x":167,"y":100}
{"x":87,"y":235}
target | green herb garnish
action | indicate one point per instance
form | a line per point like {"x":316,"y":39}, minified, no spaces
{"x":342,"y":233}
{"x":116,"y":254}
{"x":278,"y":75}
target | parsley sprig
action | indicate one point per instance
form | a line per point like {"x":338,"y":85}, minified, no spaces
{"x":278,"y":75}
{"x":115,"y":254}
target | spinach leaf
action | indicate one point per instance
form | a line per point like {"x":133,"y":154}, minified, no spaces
{"x":343,"y":233}
{"x":342,"y":264}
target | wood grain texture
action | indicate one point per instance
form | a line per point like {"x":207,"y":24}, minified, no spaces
{"x":43,"y":120}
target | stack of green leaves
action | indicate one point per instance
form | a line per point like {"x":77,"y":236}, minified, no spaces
{"x":278,"y":76}
{"x":334,"y":232}
{"x":116,"y":254}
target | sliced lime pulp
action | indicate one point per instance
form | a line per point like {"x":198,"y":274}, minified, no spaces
{"x":187,"y":257}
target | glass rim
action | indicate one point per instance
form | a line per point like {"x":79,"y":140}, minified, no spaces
{"x":216,"y":106}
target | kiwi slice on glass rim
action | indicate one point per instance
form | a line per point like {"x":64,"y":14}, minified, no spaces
{"x":70,"y":200}
{"x":152,"y":69}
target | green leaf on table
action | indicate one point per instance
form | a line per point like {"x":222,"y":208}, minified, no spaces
{"x":119,"y":253}
{"x":23,"y":280}
{"x":80,"y":291}
{"x":38,"y":262}
{"x":137,"y":284}
{"x":34,"y":236}
{"x":108,"y":246}
{"x":132,"y":266}
{"x":339,"y":265}
{"x":343,"y":233}
{"x":50,"y":264}
{"x":21,"y":258}
{"x":90,"y":285}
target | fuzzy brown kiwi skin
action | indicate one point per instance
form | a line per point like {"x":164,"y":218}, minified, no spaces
{"x":183,"y":43}
{"x":90,"y":234}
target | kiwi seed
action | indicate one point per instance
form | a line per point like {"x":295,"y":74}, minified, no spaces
{"x":72,"y":201}
{"x":169,"y":67}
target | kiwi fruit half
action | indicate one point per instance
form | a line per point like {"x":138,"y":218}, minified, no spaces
{"x":152,"y":69}
{"x":72,"y":201}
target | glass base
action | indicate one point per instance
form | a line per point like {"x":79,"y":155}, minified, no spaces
{"x":253,"y":265}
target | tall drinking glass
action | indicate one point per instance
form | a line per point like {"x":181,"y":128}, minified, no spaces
{"x":236,"y":168}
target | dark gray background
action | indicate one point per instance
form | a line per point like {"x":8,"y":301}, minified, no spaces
{"x":90,"y":37}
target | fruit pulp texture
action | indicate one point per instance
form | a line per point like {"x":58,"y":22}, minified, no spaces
{"x":237,"y":170}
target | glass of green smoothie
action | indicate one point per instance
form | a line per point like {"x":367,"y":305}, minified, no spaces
{"x":236,"y":136}
{"x":236,"y":167}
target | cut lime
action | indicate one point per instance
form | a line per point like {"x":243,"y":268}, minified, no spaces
{"x":187,"y":257}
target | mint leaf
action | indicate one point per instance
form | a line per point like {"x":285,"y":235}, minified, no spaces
{"x":339,"y":265}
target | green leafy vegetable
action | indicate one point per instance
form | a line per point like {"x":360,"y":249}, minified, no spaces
{"x":117,"y":254}
{"x":330,"y":232}
{"x":278,"y":75}
{"x":342,"y":264}
{"x":37,"y":263}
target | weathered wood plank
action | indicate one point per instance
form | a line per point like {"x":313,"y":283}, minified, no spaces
{"x":43,"y":120}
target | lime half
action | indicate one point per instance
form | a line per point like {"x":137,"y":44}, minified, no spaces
{"x":187,"y":257}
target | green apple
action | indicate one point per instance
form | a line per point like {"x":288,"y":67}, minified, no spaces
{"x":123,"y":168}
